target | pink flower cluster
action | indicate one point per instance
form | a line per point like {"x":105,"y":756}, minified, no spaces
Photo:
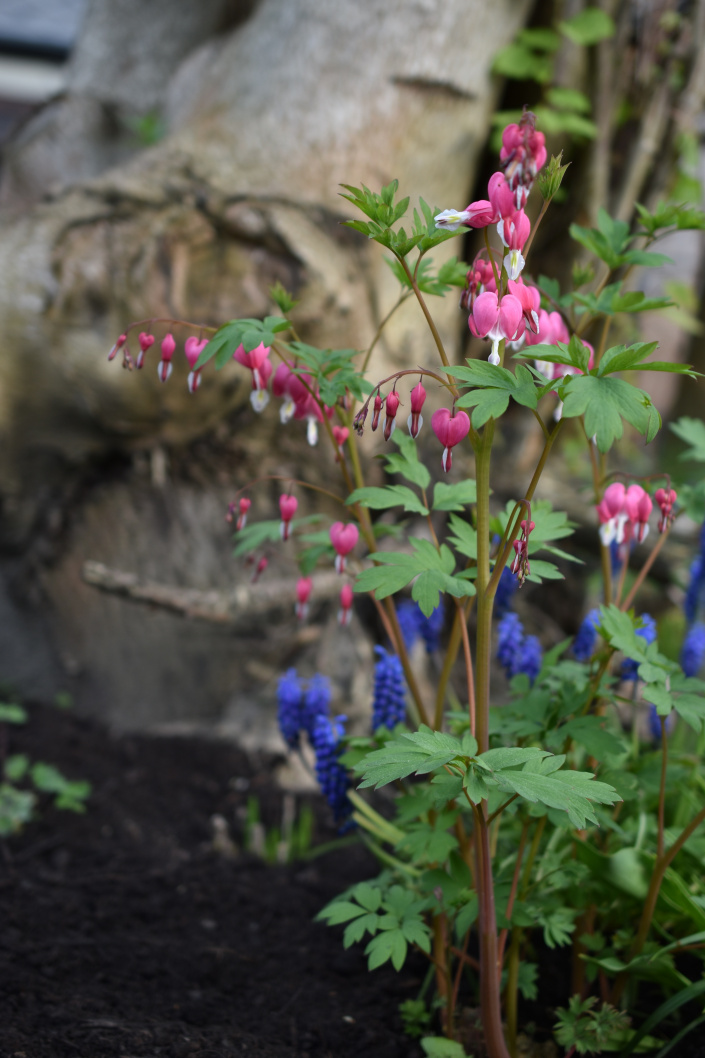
{"x":193,"y":347}
{"x":391,"y":403}
{"x":299,"y":400}
{"x":624,"y":514}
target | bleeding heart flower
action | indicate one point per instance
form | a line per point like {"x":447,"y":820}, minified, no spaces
{"x":287,"y":507}
{"x":450,"y":431}
{"x":665,"y":499}
{"x":341,"y":434}
{"x":346,"y":601}
{"x":165,"y":365}
{"x":146,"y":342}
{"x":391,"y":406}
{"x":193,"y":347}
{"x":376,"y":410}
{"x":415,"y":420}
{"x":496,"y":319}
{"x":343,"y":537}
{"x":304,"y":586}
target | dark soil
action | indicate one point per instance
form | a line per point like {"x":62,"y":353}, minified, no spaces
{"x":125,"y":933}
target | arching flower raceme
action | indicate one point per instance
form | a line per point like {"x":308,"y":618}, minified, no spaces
{"x":520,"y":565}
{"x":391,"y":406}
{"x":146,"y":342}
{"x":450,"y":431}
{"x":287,"y":508}
{"x":343,"y":537}
{"x":165,"y":365}
{"x":495,"y":319}
{"x":623,"y":515}
{"x":304,"y":587}
{"x":346,"y":601}
{"x":193,"y":349}
{"x":415,"y":420}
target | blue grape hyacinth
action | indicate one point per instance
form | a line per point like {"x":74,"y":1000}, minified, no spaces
{"x":289,"y":702}
{"x":389,"y":702}
{"x":516,"y":652}
{"x":693,"y":651}
{"x":332,"y":776}
{"x":506,"y":590}
{"x":630,"y":667}
{"x":316,"y":702}
{"x":408,"y":617}
{"x":431,"y":627}
{"x":586,"y":637}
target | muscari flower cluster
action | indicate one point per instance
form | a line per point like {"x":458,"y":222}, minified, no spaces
{"x":389,"y":698}
{"x":414,"y":624}
{"x":516,"y":652}
{"x":306,"y":708}
{"x":693,"y":650}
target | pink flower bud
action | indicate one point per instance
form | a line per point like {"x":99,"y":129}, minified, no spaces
{"x":391,"y":407}
{"x":164,"y":367}
{"x":343,"y":537}
{"x":243,"y":508}
{"x":118,"y":345}
{"x":341,"y":434}
{"x":287,"y":507}
{"x":259,"y":570}
{"x":346,"y":601}
{"x":377,"y":408}
{"x":665,"y":498}
{"x":304,"y":586}
{"x":146,"y":342}
{"x":638,"y":505}
{"x":193,"y":349}
{"x":450,"y":431}
{"x":415,"y":420}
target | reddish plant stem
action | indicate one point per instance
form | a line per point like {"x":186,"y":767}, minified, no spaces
{"x":490,"y":1002}
{"x":512,"y":896}
{"x":643,"y":572}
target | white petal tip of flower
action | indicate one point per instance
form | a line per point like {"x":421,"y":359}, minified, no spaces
{"x":451,"y":219}
{"x":259,"y":399}
{"x":514,"y":264}
{"x":312,"y":432}
{"x":194,"y":381}
{"x":164,"y":370}
{"x":493,"y":358}
{"x":286,"y":411}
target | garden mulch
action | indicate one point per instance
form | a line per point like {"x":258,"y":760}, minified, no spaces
{"x":124,"y":931}
{"x":129,"y":931}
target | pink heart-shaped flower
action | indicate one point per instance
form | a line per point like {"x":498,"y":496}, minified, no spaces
{"x":344,"y":537}
{"x":450,"y":429}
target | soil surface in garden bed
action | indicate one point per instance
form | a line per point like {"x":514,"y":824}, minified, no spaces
{"x":136,"y":930}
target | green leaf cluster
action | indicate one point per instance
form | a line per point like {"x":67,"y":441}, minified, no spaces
{"x":332,"y":372}
{"x":588,"y":1030}
{"x":246,"y":332}
{"x":531,"y":773}
{"x":431,"y":570}
{"x":610,"y":241}
{"x":390,"y":913}
{"x":452,"y":273}
{"x":490,"y":388}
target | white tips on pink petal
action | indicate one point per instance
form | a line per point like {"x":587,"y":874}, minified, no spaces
{"x":286,"y":411}
{"x":194,"y":380}
{"x":340,"y":563}
{"x":259,"y":399}
{"x":514,"y":264}
{"x":164,"y":369}
{"x":312,"y":432}
{"x":414,"y":423}
{"x":493,"y":358}
{"x":447,"y":459}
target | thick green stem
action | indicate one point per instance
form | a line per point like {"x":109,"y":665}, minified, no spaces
{"x":484,"y":600}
